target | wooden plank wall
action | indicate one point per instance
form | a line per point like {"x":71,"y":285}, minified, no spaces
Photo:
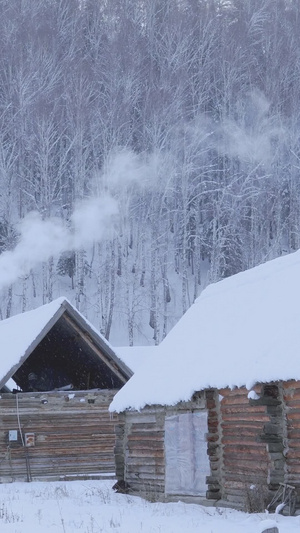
{"x":74,"y":434}
{"x":245,"y":459}
{"x":144,"y":452}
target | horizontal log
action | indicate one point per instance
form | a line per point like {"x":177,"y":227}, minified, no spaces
{"x":145,"y":469}
{"x":292,"y":403}
{"x":246,"y":417}
{"x":293,"y":451}
{"x":63,"y":468}
{"x":250,"y":433}
{"x":238,"y":401}
{"x":150,"y":461}
{"x":237,"y":500}
{"x":236,"y":485}
{"x":242,"y":423}
{"x":140,"y":418}
{"x":241,"y":440}
{"x":293,"y":427}
{"x":79,"y":456}
{"x":55,"y":412}
{"x":144,"y":445}
{"x":246,"y":411}
{"x":146,"y":454}
{"x":148,"y":437}
{"x":292,"y":465}
{"x":240,"y":493}
{"x":248,"y":451}
{"x":258,"y":477}
{"x":47,"y":423}
{"x":293,"y":479}
{"x":87,"y":432}
{"x":293,"y":435}
{"x":241,"y":466}
{"x":146,"y":428}
{"x":45,"y":405}
{"x":293,"y":414}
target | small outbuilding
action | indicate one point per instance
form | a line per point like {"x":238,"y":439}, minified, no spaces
{"x":58,"y":376}
{"x":213,"y":416}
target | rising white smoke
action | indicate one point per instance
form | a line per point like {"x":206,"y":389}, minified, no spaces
{"x":254,"y":134}
{"x":91,"y":221}
{"x":124,"y":167}
{"x":41,"y":239}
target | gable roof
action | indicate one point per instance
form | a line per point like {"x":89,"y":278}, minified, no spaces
{"x":242,"y":330}
{"x":21,"y":336}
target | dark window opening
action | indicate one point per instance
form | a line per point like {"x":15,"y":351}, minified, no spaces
{"x":65,"y":360}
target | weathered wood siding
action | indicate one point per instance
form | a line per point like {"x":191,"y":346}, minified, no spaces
{"x":245,"y":458}
{"x":144,"y":452}
{"x":74,"y":434}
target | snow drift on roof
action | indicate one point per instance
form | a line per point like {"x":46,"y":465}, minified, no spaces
{"x":134,"y":356}
{"x":18,"y":332}
{"x":241,"y":330}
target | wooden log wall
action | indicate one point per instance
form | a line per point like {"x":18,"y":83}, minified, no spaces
{"x":245,"y":459}
{"x":73,"y":434}
{"x":214,"y":444}
{"x":252,"y":444}
{"x":292,"y":437}
{"x":274,"y":431}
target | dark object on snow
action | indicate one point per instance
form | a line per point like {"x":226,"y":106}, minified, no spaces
{"x":121,"y":487}
{"x":271,"y":530}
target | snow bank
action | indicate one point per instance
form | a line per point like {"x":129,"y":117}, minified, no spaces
{"x":92,"y":506}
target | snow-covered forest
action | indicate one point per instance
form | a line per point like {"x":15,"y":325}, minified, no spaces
{"x":148,"y":148}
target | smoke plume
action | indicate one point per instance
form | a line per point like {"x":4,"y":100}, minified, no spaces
{"x":41,"y":239}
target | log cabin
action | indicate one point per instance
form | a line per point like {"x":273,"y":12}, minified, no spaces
{"x":58,"y":377}
{"x":214,"y":415}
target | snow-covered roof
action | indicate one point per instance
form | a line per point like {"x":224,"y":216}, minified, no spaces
{"x":135,"y":356}
{"x":20,"y":334}
{"x":242,"y":330}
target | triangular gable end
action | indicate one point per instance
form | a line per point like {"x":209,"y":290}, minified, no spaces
{"x":67,"y":353}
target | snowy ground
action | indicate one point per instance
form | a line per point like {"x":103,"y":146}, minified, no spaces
{"x":93,"y":507}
